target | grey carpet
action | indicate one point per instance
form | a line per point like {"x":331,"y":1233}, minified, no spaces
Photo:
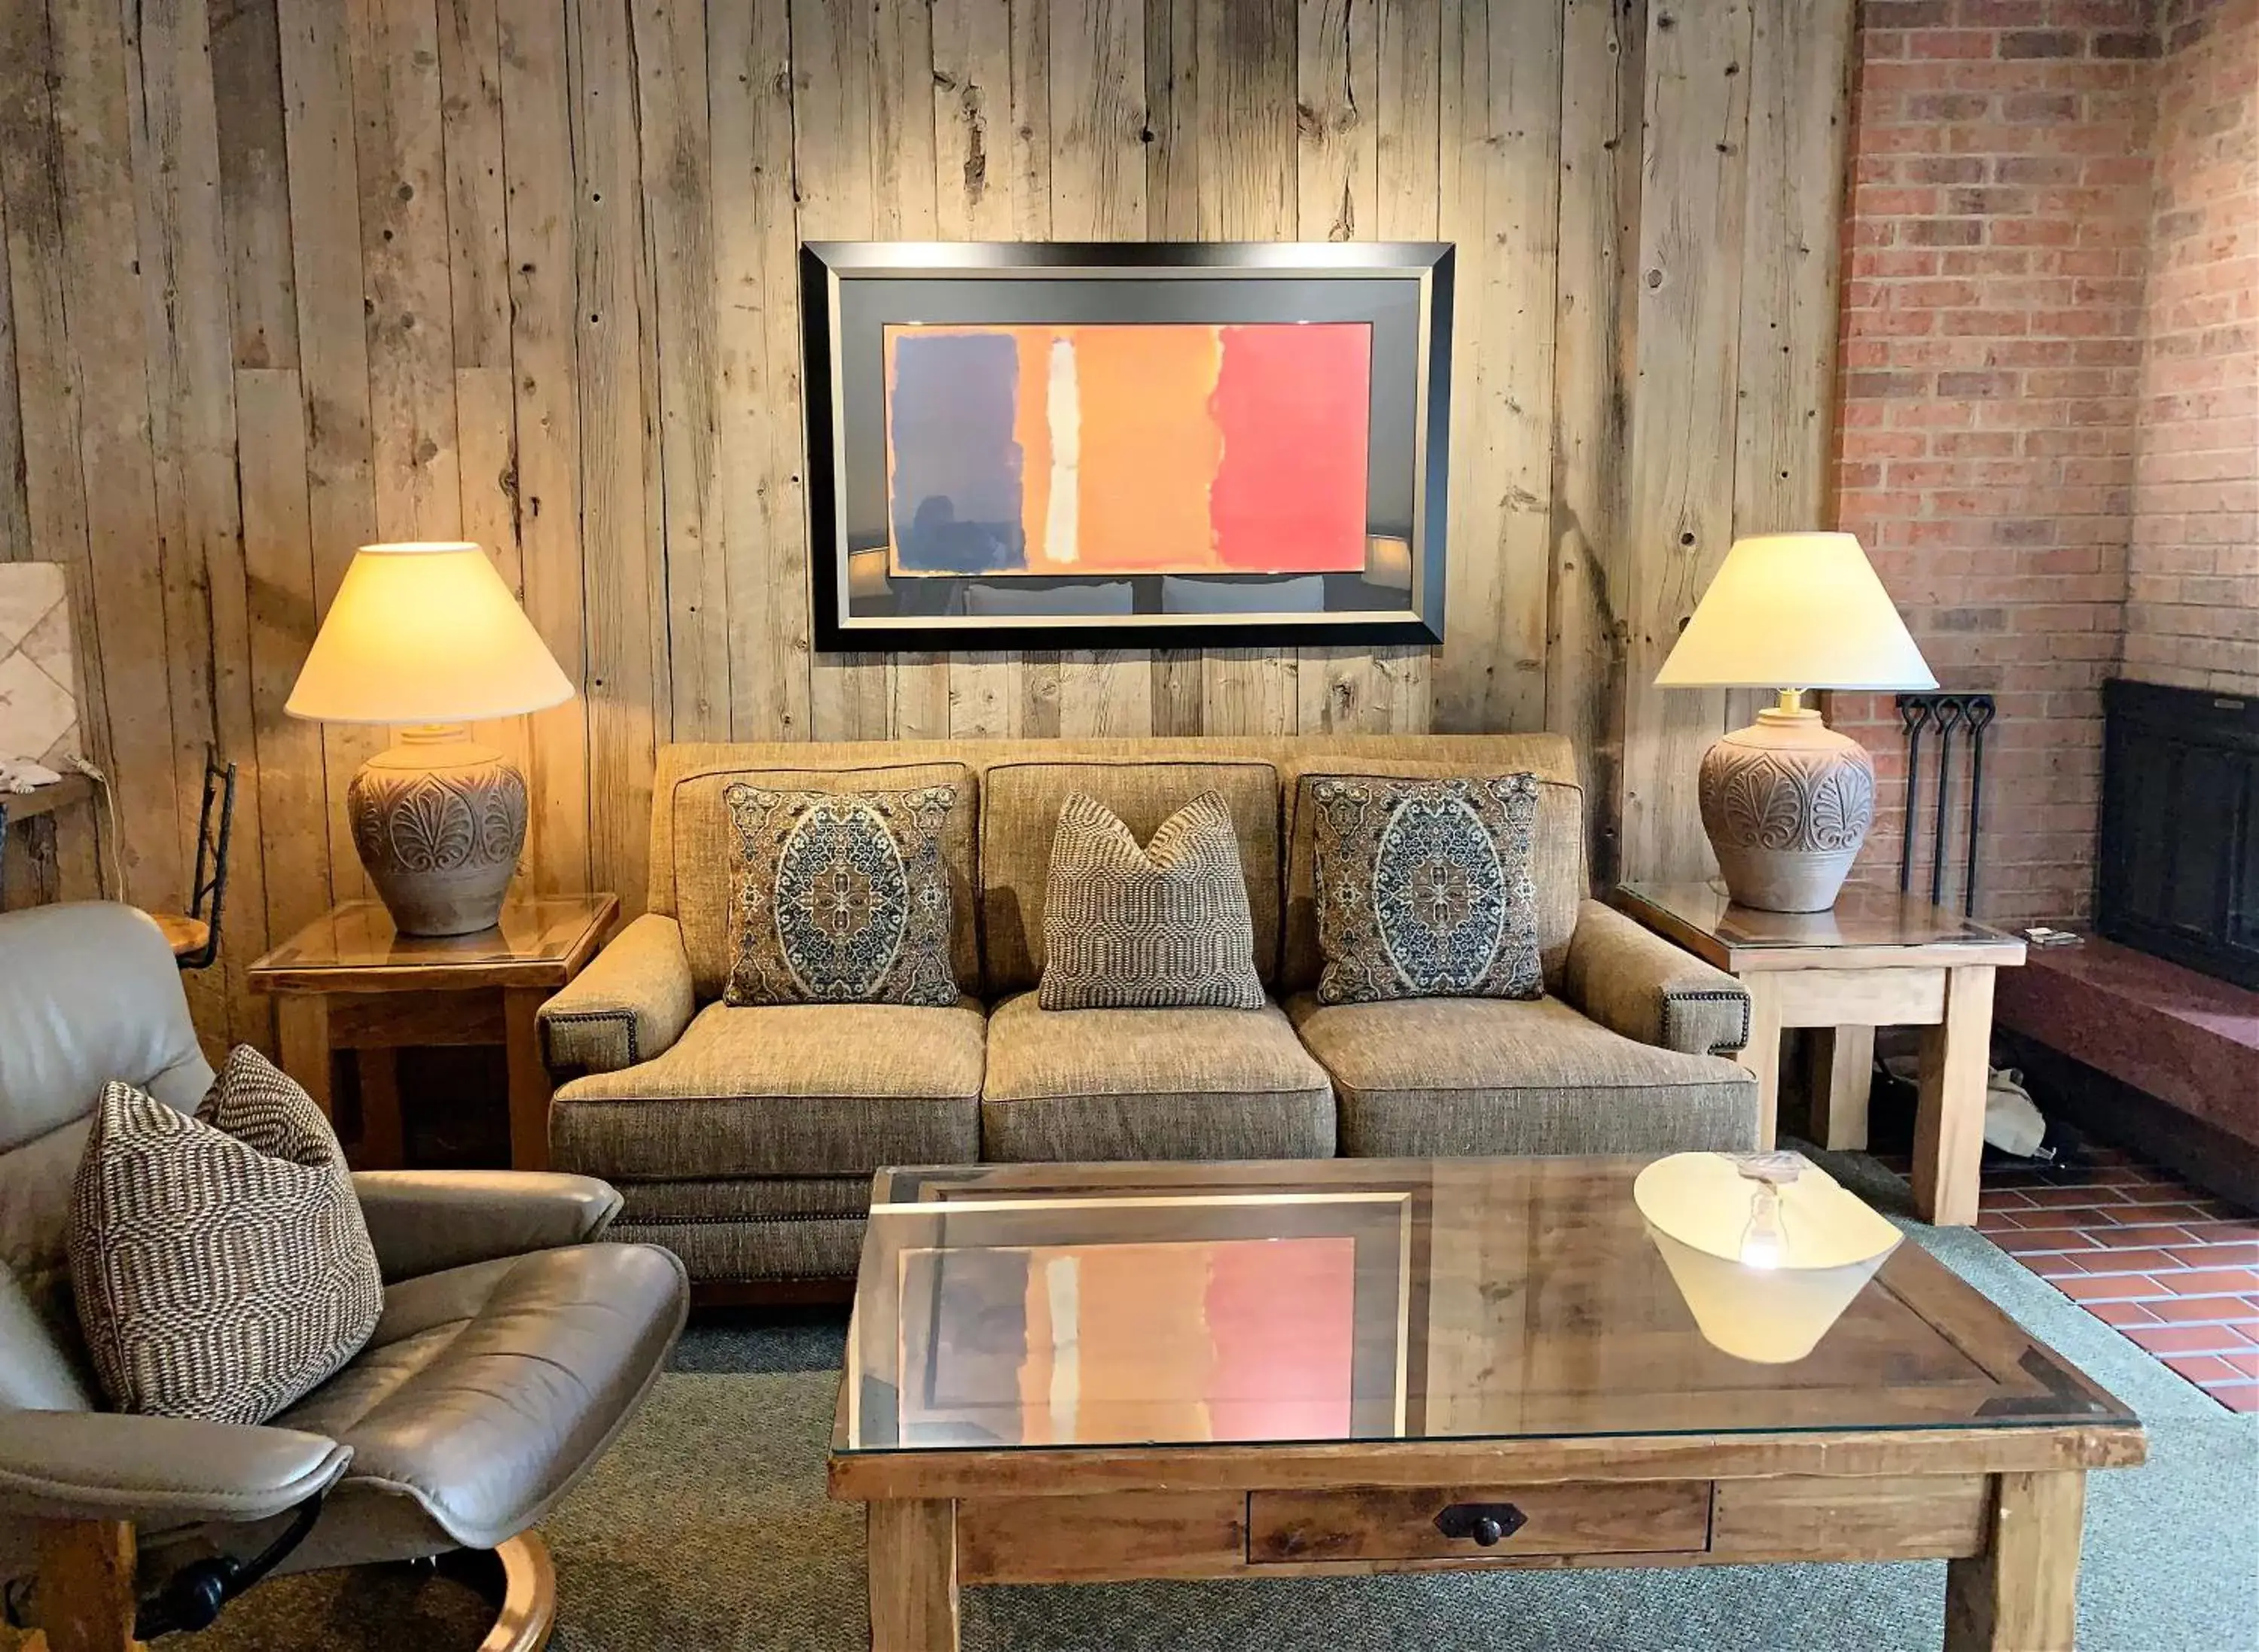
{"x":707,"y":1528}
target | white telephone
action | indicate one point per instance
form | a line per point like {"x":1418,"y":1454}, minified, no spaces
{"x":21,"y":774}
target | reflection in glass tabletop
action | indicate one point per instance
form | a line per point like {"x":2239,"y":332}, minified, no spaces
{"x":1048,"y":1305}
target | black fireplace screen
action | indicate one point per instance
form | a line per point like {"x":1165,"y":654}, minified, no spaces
{"x":2180,"y":827}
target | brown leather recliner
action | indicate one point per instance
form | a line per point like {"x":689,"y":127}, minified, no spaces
{"x":511,"y":1348}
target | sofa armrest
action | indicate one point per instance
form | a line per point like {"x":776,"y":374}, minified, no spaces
{"x":630,"y":1003}
{"x":1633,"y":981}
{"x":421,"y":1221}
{"x":160,"y":1472}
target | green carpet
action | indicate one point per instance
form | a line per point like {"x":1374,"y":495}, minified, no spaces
{"x":707,"y":1528}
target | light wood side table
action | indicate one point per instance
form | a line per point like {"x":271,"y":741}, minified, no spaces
{"x":349,"y":980}
{"x":1877,"y":958}
{"x":41,"y":803}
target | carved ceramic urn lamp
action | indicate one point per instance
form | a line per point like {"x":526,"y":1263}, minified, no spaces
{"x":428,"y":639}
{"x":1787,"y":800}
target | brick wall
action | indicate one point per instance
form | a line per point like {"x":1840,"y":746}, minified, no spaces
{"x":2192,"y":598}
{"x":1992,"y":365}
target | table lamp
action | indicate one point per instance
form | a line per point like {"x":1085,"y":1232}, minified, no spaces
{"x":1787,"y":800}
{"x":429,"y":637}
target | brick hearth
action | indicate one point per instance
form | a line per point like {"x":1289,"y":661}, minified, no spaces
{"x":2174,"y":1270}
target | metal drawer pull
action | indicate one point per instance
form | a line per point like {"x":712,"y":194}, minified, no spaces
{"x":1485,"y":1522}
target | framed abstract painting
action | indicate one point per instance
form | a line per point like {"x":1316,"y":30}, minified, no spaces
{"x":1053,"y":444}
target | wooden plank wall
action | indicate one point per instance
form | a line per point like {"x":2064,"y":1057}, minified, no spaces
{"x":281,"y":276}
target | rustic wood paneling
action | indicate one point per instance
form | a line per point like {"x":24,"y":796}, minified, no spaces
{"x":189,"y":330}
{"x":285,"y":275}
{"x":1679,"y":510}
{"x":628,"y":678}
{"x":323,"y":203}
{"x":1603,"y":47}
{"x":979,"y":186}
{"x":538,"y":207}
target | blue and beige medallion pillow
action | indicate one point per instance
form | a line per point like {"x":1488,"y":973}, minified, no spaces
{"x":1423,"y":887}
{"x":841,"y":897}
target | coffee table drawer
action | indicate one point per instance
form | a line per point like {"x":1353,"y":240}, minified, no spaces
{"x":1471,"y":1521}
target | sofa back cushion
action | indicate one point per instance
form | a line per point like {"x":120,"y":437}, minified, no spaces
{"x":704,"y":844}
{"x":692,"y":882}
{"x":1556,"y":859}
{"x":1019,"y":817}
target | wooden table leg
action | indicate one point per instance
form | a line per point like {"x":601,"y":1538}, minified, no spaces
{"x":1949,"y":1130}
{"x":529,"y":1079}
{"x":383,"y":1144}
{"x":2021,"y":1595}
{"x":912,"y":1549}
{"x":85,"y":1596}
{"x":1843,"y":1075}
{"x":1761,"y":1056}
{"x":302,"y":1030}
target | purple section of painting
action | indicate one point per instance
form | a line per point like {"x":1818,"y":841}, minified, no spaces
{"x":956,"y":482}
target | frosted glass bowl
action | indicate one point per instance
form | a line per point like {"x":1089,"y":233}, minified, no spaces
{"x":1760,"y":1288}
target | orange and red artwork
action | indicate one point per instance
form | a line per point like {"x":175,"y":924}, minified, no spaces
{"x":1234,"y":1339}
{"x":1124,"y":448}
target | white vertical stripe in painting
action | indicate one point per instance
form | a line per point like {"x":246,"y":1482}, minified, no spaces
{"x":1062,"y":1288}
{"x":1063,"y":405}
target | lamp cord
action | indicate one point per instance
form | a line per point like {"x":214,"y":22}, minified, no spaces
{"x":108,"y":825}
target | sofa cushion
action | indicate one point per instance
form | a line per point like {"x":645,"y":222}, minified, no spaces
{"x":841,"y":897}
{"x":1147,"y":926}
{"x":1160,"y":1084}
{"x":1424,"y":888}
{"x":783,"y":1090}
{"x":703,"y":841}
{"x":1556,"y":848}
{"x":1019,"y":817}
{"x":1429,"y":1078}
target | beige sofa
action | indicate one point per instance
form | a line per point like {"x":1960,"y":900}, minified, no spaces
{"x":744,"y":1139}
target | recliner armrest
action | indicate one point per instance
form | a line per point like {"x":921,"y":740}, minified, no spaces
{"x":421,"y":1222}
{"x":630,"y":1003}
{"x":1633,"y":981}
{"x":158,"y":1471}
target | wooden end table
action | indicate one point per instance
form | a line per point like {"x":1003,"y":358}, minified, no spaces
{"x":1876,"y":958}
{"x":42,"y":803}
{"x":349,"y":980}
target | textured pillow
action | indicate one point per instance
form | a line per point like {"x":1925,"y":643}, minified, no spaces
{"x":220,"y":1262}
{"x":1423,"y":887}
{"x":842,"y":897}
{"x":1165,"y":926}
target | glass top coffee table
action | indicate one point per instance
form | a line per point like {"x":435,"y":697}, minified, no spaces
{"x":1084,"y":1373}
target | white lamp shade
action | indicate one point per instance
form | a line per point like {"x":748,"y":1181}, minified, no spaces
{"x":1796,"y":610}
{"x":424,"y":634}
{"x":1698,"y":1208}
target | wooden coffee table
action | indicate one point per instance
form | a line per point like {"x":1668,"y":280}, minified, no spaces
{"x":1090,"y":1373}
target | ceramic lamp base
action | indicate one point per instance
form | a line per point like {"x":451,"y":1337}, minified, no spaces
{"x":1786,"y":803}
{"x":440,"y":823}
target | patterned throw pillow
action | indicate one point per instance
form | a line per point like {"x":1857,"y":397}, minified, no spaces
{"x":1423,"y":887}
{"x":220,"y":1262}
{"x":1163,"y":926}
{"x":842,"y":897}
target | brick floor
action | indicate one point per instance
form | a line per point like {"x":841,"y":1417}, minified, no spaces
{"x":2173,"y":1269}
